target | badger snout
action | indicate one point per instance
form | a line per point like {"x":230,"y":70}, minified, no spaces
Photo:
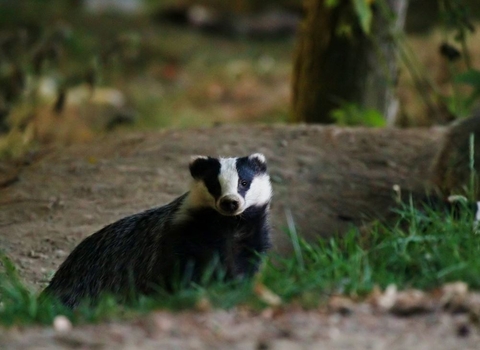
{"x":230,"y":205}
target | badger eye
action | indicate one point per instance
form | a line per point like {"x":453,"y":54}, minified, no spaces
{"x":243,"y":183}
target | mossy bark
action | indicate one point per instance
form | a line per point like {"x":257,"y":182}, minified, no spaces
{"x":336,"y":62}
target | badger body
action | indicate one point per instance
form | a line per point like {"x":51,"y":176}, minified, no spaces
{"x":220,"y":225}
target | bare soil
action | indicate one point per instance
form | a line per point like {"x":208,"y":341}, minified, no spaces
{"x":286,"y":329}
{"x":330,"y":179}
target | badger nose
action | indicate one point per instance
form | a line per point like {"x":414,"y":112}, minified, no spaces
{"x":229,"y":205}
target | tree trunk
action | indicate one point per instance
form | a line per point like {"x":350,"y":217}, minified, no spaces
{"x":332,"y":67}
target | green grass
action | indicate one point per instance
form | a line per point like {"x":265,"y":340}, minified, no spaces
{"x":424,"y":249}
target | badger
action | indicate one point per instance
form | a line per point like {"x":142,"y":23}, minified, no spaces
{"x":221,"y":224}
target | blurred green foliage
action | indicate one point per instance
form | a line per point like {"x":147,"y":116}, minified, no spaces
{"x":364,"y":13}
{"x":462,"y":104}
{"x":351,"y":114}
{"x":167,"y":75}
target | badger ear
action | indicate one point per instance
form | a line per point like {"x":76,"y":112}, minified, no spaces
{"x":197,"y":165}
{"x":258,"y":159}
{"x":201,"y":166}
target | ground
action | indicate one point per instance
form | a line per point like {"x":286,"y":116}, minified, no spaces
{"x":328,"y":177}
{"x":288,"y":329}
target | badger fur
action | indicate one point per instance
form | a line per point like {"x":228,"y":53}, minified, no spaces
{"x":222,"y":221}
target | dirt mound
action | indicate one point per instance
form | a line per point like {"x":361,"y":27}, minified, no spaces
{"x":329,"y":178}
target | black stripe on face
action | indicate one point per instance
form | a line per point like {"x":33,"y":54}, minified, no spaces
{"x":213,"y":186}
{"x":247,"y":169}
{"x":207,"y":170}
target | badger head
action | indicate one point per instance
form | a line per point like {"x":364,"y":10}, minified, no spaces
{"x":230,"y":185}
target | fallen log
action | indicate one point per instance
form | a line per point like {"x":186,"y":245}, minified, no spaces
{"x":329,"y":178}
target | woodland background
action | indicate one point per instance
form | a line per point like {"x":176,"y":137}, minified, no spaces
{"x":71,"y":70}
{"x":360,"y":107}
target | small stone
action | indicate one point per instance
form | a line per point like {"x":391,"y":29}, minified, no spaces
{"x":59,"y":253}
{"x":62,"y":324}
{"x":387,"y":299}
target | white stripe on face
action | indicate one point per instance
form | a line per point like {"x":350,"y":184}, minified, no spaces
{"x":228,"y":179}
{"x":260,"y":191}
{"x":228,"y":176}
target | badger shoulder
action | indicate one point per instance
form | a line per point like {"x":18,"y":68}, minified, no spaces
{"x":107,"y":260}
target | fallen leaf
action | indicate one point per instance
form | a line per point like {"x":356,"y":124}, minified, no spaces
{"x":405,"y":303}
{"x":266,"y":295}
{"x":203,"y":304}
{"x":454,"y":296}
{"x":340,"y":304}
{"x":410,"y":302}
